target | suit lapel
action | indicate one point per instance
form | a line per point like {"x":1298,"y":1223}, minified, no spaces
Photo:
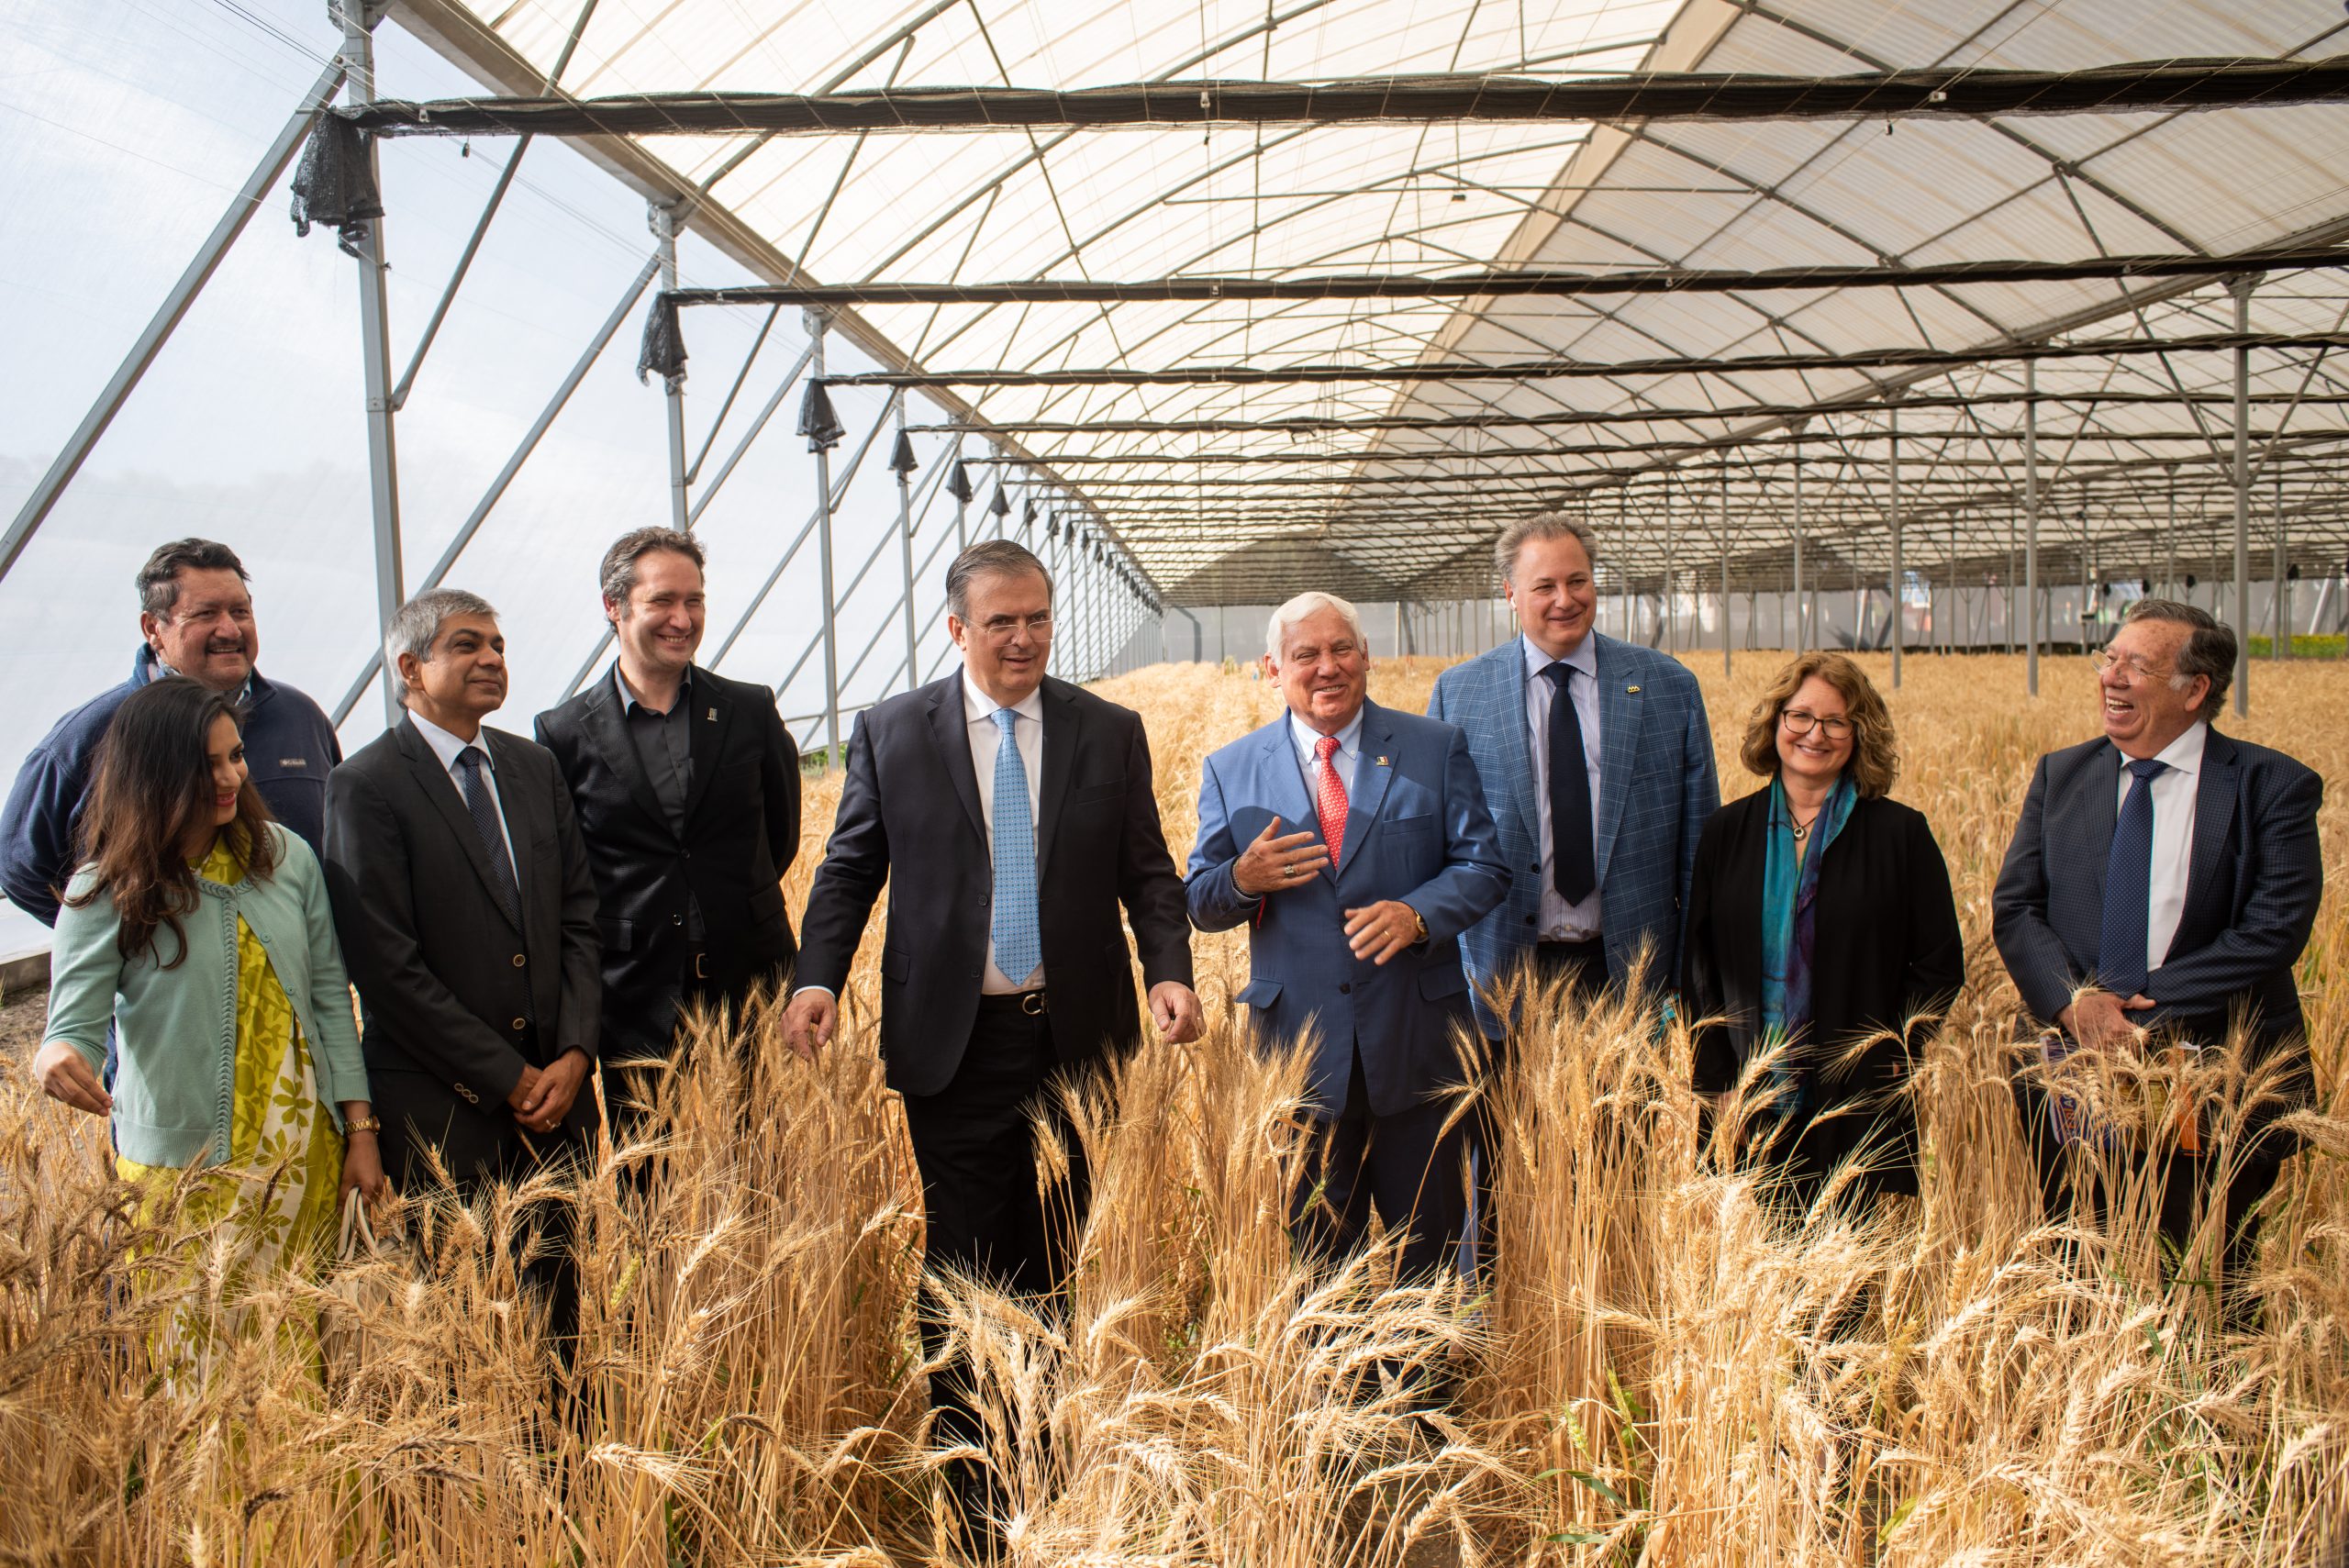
{"x":951,"y":731}
{"x":1508,"y":687}
{"x":606,"y":726}
{"x":515,"y":803}
{"x":1292,"y":798}
{"x":441,"y":791}
{"x":1622,"y":709}
{"x":1063,"y":735}
{"x":706,"y":721}
{"x":2095,"y":813}
{"x":1373,"y":766}
{"x":2214,"y":812}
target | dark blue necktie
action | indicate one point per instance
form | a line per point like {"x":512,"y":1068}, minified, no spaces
{"x":1574,"y":863}
{"x":482,"y":809}
{"x":2129,"y":886}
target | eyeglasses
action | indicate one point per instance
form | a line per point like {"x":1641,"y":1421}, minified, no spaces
{"x":1002,"y":629}
{"x":1801,"y":721}
{"x":2132,"y":665}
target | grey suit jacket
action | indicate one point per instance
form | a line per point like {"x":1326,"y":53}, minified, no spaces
{"x":456,"y":1000}
{"x":2257,"y":874}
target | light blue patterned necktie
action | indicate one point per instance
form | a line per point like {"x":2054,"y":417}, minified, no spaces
{"x":1018,"y":938}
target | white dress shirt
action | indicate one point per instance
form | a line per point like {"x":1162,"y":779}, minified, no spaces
{"x":1307,"y":740}
{"x":1027,"y":727}
{"x":2173,"y":789}
{"x":446,"y":747}
{"x":1559,"y":920}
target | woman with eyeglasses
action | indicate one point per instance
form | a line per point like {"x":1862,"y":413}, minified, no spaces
{"x":1820,"y":926}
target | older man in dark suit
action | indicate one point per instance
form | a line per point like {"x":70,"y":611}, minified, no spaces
{"x":687,"y":790}
{"x":2164,"y":879}
{"x":1011,"y":818}
{"x":467,"y":915}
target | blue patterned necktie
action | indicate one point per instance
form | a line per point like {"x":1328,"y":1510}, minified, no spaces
{"x":2129,"y":886}
{"x":1018,"y":938}
{"x":484,"y":811}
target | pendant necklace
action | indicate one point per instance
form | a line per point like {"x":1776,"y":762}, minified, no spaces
{"x":1801,"y":829}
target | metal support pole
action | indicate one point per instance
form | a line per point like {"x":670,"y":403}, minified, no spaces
{"x":2169,"y":534}
{"x":906,"y":552}
{"x":1899,"y":585}
{"x":2280,"y":644}
{"x":816,"y":323}
{"x":1725,"y":669}
{"x":2242,"y":288}
{"x":1398,"y":628}
{"x":664,"y":223}
{"x":375,"y":351}
{"x":198,"y":272}
{"x":1802,"y":628}
{"x":2031,"y":525}
{"x":1671,"y":542}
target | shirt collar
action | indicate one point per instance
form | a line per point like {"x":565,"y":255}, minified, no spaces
{"x":978,"y":707}
{"x":628,"y":703}
{"x":1585,"y":657}
{"x":446,"y":746}
{"x":243,"y":698}
{"x":1306,"y":738}
{"x":2183,"y":755}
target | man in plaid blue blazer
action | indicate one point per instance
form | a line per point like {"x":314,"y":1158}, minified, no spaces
{"x":2164,"y":877}
{"x":1628,"y":724}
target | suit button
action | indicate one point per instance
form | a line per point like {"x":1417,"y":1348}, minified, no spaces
{"x":1528,"y":919}
{"x":519,"y":960}
{"x":521,"y":1024}
{"x":1535,"y":868}
{"x":1345,"y":988}
{"x":676,"y":919}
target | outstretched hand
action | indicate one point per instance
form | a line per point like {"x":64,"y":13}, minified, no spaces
{"x":1274,"y":861}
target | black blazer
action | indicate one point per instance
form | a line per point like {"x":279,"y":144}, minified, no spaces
{"x":741,"y":830}
{"x":2253,"y":882}
{"x":1888,"y":949}
{"x":909,"y":815}
{"x":455,"y":1000}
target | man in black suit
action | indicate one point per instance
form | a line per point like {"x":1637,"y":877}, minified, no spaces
{"x":687,"y":786}
{"x":467,"y":915}
{"x":2163,"y":879}
{"x":1011,"y":818}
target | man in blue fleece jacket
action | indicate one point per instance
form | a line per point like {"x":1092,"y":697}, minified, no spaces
{"x":197,"y":614}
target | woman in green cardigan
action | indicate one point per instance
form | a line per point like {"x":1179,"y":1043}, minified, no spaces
{"x":200,"y":930}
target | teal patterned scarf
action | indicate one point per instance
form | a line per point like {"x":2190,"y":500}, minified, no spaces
{"x":1789,"y":917}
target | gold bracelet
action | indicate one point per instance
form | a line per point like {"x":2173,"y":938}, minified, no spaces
{"x":362,"y":1124}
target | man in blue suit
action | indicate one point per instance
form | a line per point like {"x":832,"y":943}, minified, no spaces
{"x":1354,"y":925}
{"x":1598,"y":764}
{"x":2163,"y":879}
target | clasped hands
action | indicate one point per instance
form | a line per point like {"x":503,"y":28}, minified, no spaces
{"x":1275,"y":862}
{"x":544,"y":1097}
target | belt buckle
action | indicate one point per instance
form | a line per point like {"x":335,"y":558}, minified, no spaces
{"x":1032,"y":1003}
{"x":701,"y":966}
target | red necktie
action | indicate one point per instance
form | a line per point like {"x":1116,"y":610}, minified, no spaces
{"x":1329,"y":798}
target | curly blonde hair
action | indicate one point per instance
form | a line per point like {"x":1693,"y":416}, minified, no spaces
{"x":1875,"y":762}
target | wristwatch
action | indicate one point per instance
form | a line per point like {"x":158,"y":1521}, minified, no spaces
{"x":362,"y":1124}
{"x":1422,"y":921}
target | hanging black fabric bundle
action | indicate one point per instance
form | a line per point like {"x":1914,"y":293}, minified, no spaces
{"x":336,"y":183}
{"x":958,"y":483}
{"x":901,"y":455}
{"x":817,"y":422}
{"x":664,"y":352}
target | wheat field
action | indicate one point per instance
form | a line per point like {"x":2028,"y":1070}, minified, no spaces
{"x":1660,"y":1373}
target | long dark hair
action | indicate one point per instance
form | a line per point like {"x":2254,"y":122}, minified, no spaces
{"x":153,"y":785}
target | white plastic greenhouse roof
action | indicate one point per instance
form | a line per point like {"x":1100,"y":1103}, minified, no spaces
{"x":1410,"y":511}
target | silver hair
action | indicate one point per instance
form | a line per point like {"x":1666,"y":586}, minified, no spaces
{"x":416,"y":626}
{"x":998,"y":557}
{"x":2209,"y":650}
{"x":1542,"y":525}
{"x":1304,"y":605}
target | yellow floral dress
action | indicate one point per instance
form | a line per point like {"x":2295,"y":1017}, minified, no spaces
{"x":279,"y":1185}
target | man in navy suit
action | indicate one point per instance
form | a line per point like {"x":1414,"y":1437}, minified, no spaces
{"x":1598,"y":765}
{"x":1353,"y":843}
{"x":2164,"y":879}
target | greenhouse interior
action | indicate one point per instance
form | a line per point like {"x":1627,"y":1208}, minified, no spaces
{"x":1936,"y":334}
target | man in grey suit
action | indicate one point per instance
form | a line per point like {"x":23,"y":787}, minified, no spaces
{"x":2163,"y":879}
{"x":467,"y":915}
{"x":1597,"y":765}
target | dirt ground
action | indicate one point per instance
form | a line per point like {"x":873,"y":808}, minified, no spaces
{"x":22,"y":1012}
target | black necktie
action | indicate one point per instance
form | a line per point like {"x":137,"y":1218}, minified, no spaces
{"x":2128,"y":887}
{"x":1573,"y":863}
{"x":484,"y":811}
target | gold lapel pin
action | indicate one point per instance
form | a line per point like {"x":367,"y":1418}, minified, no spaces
{"x":1630,"y":691}
{"x":1382,"y":761}
{"x":711,"y":716}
